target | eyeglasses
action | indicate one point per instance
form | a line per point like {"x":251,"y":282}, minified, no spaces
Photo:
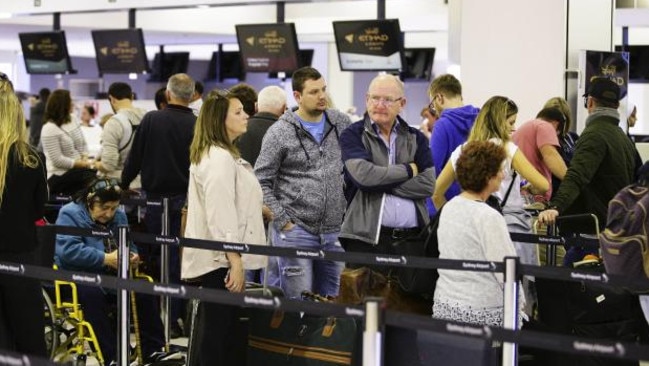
{"x":431,"y":108}
{"x":386,"y":101}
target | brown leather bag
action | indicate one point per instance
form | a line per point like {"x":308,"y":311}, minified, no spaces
{"x":358,"y":283}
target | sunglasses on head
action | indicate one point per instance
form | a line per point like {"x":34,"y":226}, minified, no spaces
{"x":103,"y":185}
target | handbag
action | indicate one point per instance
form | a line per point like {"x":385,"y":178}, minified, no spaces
{"x":72,"y":181}
{"x":356,"y":284}
{"x":495,"y":203}
{"x":300,"y":339}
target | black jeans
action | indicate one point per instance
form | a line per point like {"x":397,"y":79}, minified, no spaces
{"x":21,"y":310}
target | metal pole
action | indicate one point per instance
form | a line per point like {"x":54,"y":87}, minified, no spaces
{"x":123,"y":340}
{"x":372,"y":340}
{"x":164,"y":267}
{"x":510,"y":309}
{"x":551,"y":249}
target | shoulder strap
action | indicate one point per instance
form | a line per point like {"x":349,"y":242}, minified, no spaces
{"x":509,"y":190}
{"x":122,"y":118}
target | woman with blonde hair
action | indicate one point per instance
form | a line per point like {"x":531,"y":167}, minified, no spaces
{"x":224,"y":203}
{"x":495,"y":123}
{"x":23,"y":193}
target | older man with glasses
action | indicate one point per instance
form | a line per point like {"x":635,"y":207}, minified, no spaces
{"x":388,"y":173}
{"x":388,"y":177}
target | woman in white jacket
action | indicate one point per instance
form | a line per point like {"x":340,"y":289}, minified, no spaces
{"x":224,"y":204}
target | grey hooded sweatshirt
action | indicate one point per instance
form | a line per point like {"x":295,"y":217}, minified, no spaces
{"x":302,"y":180}
{"x":117,"y":138}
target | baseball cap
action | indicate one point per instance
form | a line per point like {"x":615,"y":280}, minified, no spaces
{"x":604,"y":89}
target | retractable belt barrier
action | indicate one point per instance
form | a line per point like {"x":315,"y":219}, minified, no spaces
{"x":554,"y":240}
{"x":8,"y":358}
{"x":509,"y":336}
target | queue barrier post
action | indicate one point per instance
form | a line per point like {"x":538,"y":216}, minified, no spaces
{"x":372,"y":336}
{"x":164,"y":270}
{"x":510,"y":309}
{"x":123,"y":256}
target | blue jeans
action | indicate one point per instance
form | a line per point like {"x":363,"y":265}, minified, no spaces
{"x":299,"y":274}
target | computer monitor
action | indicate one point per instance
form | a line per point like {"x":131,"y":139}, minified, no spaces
{"x":268,"y":47}
{"x":45,"y":53}
{"x":305,"y":57}
{"x":168,"y":64}
{"x":369,"y":45}
{"x":120,"y":51}
{"x":418,"y":64}
{"x":638,"y":62}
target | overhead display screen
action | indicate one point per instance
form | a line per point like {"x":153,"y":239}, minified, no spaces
{"x":369,"y":45}
{"x":268,"y":47}
{"x":120,"y":51}
{"x":45,"y":52}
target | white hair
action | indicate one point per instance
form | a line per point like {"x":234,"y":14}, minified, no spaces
{"x":271,"y":98}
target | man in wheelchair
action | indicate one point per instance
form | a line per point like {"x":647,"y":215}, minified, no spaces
{"x":97,"y":207}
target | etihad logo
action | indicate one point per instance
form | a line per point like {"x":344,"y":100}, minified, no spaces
{"x":373,"y":35}
{"x":250,"y":41}
{"x":349,"y":38}
{"x":609,"y":70}
{"x":123,"y":48}
{"x":45,"y":45}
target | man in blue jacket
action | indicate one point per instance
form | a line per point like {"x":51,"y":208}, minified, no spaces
{"x":388,"y":173}
{"x":388,"y":177}
{"x":453,"y":126}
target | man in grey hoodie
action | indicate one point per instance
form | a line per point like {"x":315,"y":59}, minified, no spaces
{"x":300,"y":171}
{"x":119,"y":130}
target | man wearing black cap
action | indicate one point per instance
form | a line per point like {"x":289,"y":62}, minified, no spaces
{"x":605,"y":160}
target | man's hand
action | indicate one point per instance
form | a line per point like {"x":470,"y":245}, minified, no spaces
{"x":266,"y":213}
{"x":548,"y":216}
{"x":415,"y":170}
{"x":289,"y":225}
